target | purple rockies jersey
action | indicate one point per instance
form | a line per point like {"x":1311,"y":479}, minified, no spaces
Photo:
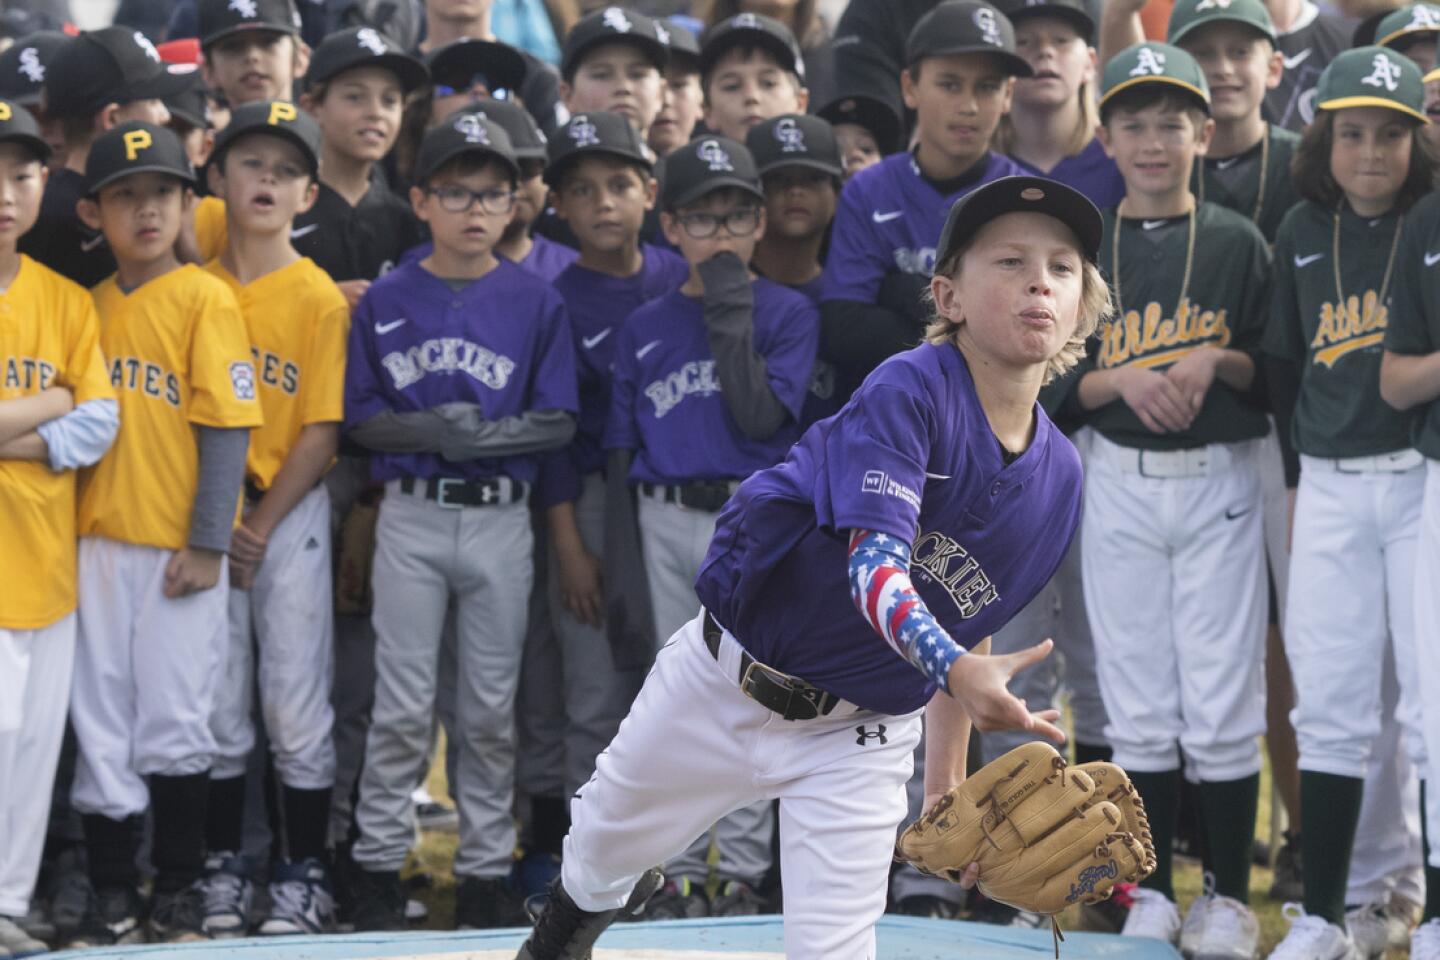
{"x":597,"y":304}
{"x":1090,"y":171}
{"x":888,"y":221}
{"x":665,"y":399}
{"x":910,"y":455}
{"x":503,"y":343}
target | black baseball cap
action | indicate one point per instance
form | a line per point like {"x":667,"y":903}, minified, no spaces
{"x":1072,"y":12}
{"x":364,"y":47}
{"x":612,"y":25}
{"x":752,"y":29}
{"x":1021,"y":195}
{"x":278,"y":118}
{"x":17,"y":125}
{"x":876,"y":112}
{"x":113,"y":65}
{"x":586,"y":134}
{"x":704,"y":165}
{"x":456,"y":65}
{"x":135,"y":147}
{"x":190,"y":106}
{"x":464,"y":133}
{"x":965,"y":26}
{"x":526,"y":140}
{"x":794,"y":140}
{"x":222,"y":18}
{"x":22,"y":66}
{"x":684,"y":47}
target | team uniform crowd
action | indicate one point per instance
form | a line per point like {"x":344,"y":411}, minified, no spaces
{"x":355,"y":390}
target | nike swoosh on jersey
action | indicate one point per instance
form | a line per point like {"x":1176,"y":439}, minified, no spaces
{"x":1227,"y":163}
{"x":1152,"y":224}
{"x":392,"y":325}
{"x":297,"y":232}
{"x":589,"y":343}
{"x":1292,"y":62}
{"x":1431,"y":259}
{"x":640,"y":354}
{"x":879,"y":217}
{"x":1306,"y":261}
{"x":87,"y":245}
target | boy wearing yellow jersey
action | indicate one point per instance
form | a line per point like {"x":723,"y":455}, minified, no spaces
{"x":155,"y":522}
{"x":57,"y":413}
{"x":265,"y":168}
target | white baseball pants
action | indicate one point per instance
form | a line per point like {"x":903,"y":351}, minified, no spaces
{"x":661,"y":783}
{"x":1427,"y":646}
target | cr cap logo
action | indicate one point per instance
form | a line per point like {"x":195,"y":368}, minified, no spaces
{"x":281,"y":112}
{"x":989,"y":30}
{"x":582,"y":131}
{"x":31,"y":66}
{"x":473,"y":129}
{"x":135,"y":141}
{"x":1384,"y":73}
{"x":1149,"y":63}
{"x":615,"y":19}
{"x":745,"y":21}
{"x":369,"y":39}
{"x":246,"y":8}
{"x":143,"y":42}
{"x":791,"y":137}
{"x":712,"y":153}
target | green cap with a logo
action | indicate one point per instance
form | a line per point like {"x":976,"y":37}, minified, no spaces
{"x":1190,"y":15}
{"x":1372,"y":77}
{"x":1400,"y":27}
{"x":1154,"y":63}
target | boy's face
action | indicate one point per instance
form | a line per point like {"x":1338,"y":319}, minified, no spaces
{"x":747,"y":86}
{"x":1423,"y":53}
{"x":958,"y":101}
{"x":619,"y":78}
{"x":197,"y":142}
{"x":530,"y":193}
{"x":858,"y":148}
{"x":456,"y":9}
{"x":681,"y":105}
{"x":604,"y":201}
{"x":1370,"y":154}
{"x":442,"y":106}
{"x":22,"y":182}
{"x":1061,"y":59}
{"x":725,"y":222}
{"x":1155,"y":147}
{"x":265,"y":183}
{"x":1018,"y":290}
{"x":360,"y":114}
{"x":799,"y":202}
{"x":471,"y":232}
{"x":255,"y":65}
{"x":1239,"y":64}
{"x":141,"y":215}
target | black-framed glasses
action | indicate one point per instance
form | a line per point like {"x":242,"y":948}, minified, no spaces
{"x":738,"y":223}
{"x":454,"y":198}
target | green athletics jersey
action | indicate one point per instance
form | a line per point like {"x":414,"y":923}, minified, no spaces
{"x":1225,"y":307}
{"x":1234,"y":182}
{"x":1414,"y":326}
{"x":1335,"y":343}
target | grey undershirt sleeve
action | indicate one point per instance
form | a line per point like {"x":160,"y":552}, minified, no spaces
{"x":221,"y":473}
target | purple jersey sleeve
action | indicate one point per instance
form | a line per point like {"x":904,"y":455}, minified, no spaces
{"x":857,"y":261}
{"x":555,"y":386}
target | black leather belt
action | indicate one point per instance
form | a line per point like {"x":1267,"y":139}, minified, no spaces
{"x":707,"y":495}
{"x":791,"y":697}
{"x":453,"y":492}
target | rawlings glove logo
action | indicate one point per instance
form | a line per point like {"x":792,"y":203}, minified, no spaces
{"x":1084,"y":884}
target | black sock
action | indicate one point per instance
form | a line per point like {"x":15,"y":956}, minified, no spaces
{"x":178,"y":849}
{"x":1091,"y":752}
{"x":1329,"y":813}
{"x":1161,"y":794}
{"x":225,"y":815}
{"x":1432,"y":874}
{"x":111,"y":846}
{"x":549,"y":822}
{"x":1227,"y":820}
{"x":307,"y":822}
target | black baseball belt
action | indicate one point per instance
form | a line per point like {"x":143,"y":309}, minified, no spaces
{"x":706,"y":495}
{"x":454,"y":492}
{"x":791,"y":697}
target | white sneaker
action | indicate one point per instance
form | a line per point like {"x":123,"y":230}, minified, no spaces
{"x":1373,"y":929}
{"x":1153,"y":915}
{"x":1425,"y":941}
{"x":1313,"y":938}
{"x":1219,"y":928}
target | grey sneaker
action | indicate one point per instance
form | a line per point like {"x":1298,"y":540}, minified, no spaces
{"x":179,"y":917}
{"x":15,"y":942}
{"x":300,"y":900}
{"x":228,"y":896}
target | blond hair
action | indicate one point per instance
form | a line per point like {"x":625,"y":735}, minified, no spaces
{"x":1095,"y":307}
{"x":1004,"y":140}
